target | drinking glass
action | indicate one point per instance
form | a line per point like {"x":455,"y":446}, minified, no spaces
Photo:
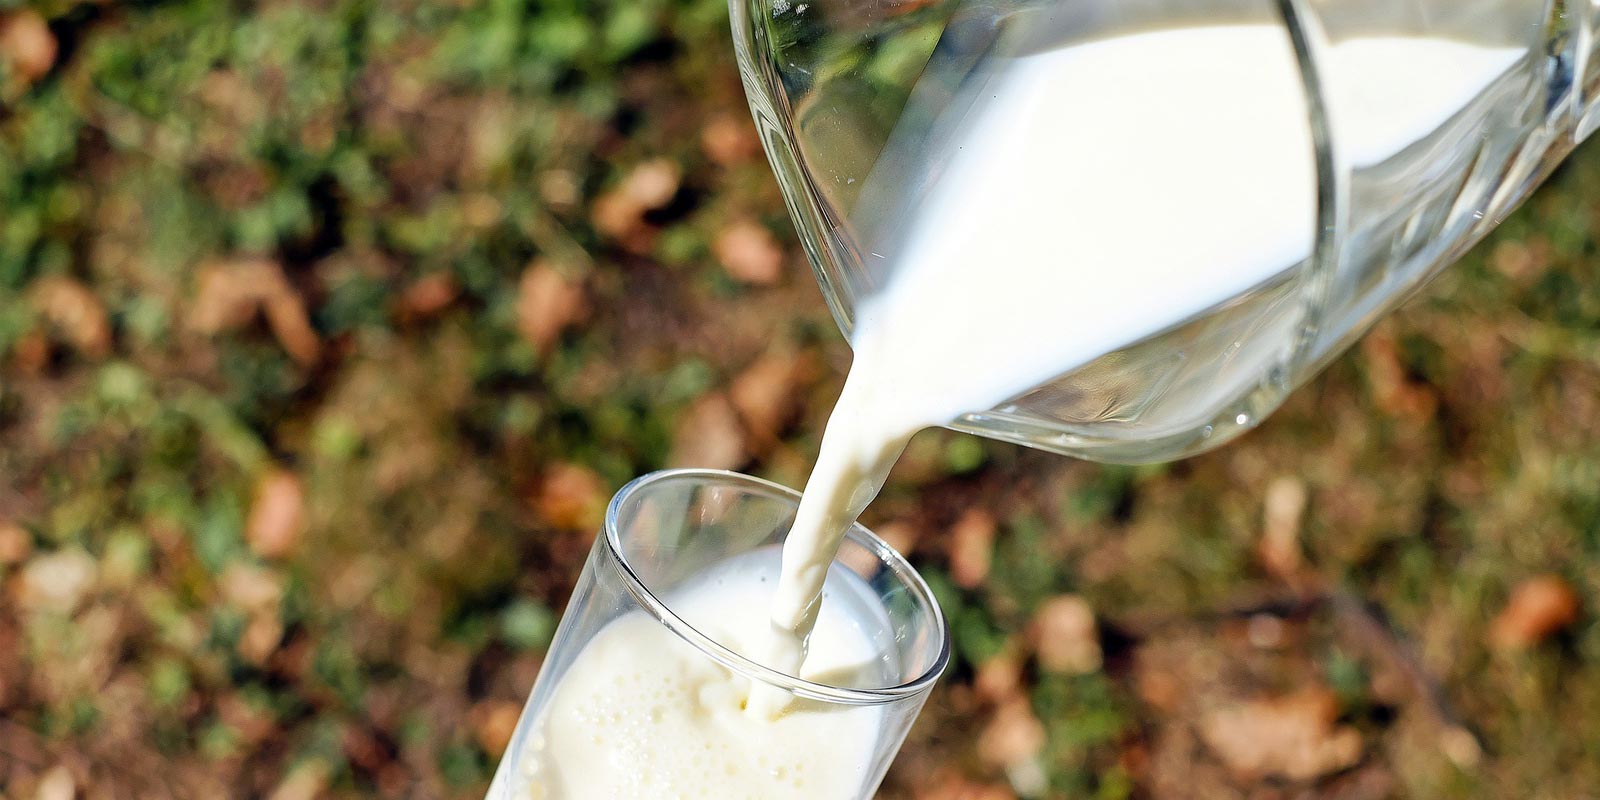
{"x":852,"y":98}
{"x":665,"y":530}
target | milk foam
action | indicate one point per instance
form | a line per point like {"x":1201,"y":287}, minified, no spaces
{"x":641,"y":713}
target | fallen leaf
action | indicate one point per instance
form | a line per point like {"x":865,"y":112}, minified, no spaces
{"x":57,"y":581}
{"x":1520,"y":260}
{"x":1294,"y":737}
{"x":1158,"y":688}
{"x":652,"y":184}
{"x":749,"y":252}
{"x":1065,"y":637}
{"x":15,"y":544}
{"x":619,"y":213}
{"x":729,"y":139}
{"x":708,"y":435}
{"x":999,"y":678}
{"x":252,"y":724}
{"x":30,"y":354}
{"x":261,"y":638}
{"x":571,"y":497}
{"x":1393,"y":392}
{"x":1538,"y":608}
{"x":277,"y":515}
{"x":1013,"y":735}
{"x":559,"y":188}
{"x":1285,"y":505}
{"x":230,"y":294}
{"x":251,"y":588}
{"x":306,"y":781}
{"x":493,"y":723}
{"x":615,"y":215}
{"x":429,"y":295}
{"x":75,"y":312}
{"x":900,"y":535}
{"x":363,"y":748}
{"x":765,"y":395}
{"x":548,"y":303}
{"x":971,"y":547}
{"x":27,"y":44}
{"x":481,"y":210}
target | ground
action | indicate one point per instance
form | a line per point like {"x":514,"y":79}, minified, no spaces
{"x":327,"y":328}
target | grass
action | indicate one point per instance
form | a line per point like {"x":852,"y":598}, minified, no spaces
{"x":172,"y":624}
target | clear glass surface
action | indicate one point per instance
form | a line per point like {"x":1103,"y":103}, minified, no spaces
{"x":852,"y":99}
{"x":664,"y":534}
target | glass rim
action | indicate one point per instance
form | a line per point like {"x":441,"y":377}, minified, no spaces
{"x":742,"y":665}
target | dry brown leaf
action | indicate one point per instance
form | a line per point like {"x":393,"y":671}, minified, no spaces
{"x":493,"y":722}
{"x":30,"y":354}
{"x":75,"y":312}
{"x":306,"y":781}
{"x":548,"y":303}
{"x":286,"y":316}
{"x":429,"y":295}
{"x":729,"y":139}
{"x":708,"y":435}
{"x":253,"y":725}
{"x":1158,"y":688}
{"x":481,"y":210}
{"x":559,"y":188}
{"x":26,"y":43}
{"x":363,"y":748}
{"x":971,"y":547}
{"x":1538,"y":608}
{"x":999,"y":678}
{"x":900,"y":535}
{"x":619,"y":213}
{"x":57,"y":581}
{"x":766,"y":396}
{"x":230,"y":294}
{"x":261,"y":638}
{"x":1279,"y":549}
{"x":615,"y":215}
{"x":1294,"y":737}
{"x":1013,"y":736}
{"x":571,"y":497}
{"x":1521,"y":261}
{"x":652,"y":184}
{"x":16,"y":544}
{"x":1065,"y":636}
{"x":277,"y":515}
{"x":749,"y":252}
{"x":250,"y":588}
{"x":1392,"y":391}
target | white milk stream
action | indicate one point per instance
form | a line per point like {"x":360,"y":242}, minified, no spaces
{"x":1023,"y":262}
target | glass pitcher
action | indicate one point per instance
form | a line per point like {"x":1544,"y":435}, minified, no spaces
{"x":1421,"y":124}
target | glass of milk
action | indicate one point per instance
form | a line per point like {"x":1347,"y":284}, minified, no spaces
{"x":644,"y":692}
{"x":1126,"y":229}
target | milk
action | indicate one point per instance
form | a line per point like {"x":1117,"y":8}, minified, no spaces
{"x":643,"y":714}
{"x":1103,"y":193}
{"x":1100,"y":194}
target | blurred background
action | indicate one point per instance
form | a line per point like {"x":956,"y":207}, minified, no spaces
{"x":327,"y":328}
